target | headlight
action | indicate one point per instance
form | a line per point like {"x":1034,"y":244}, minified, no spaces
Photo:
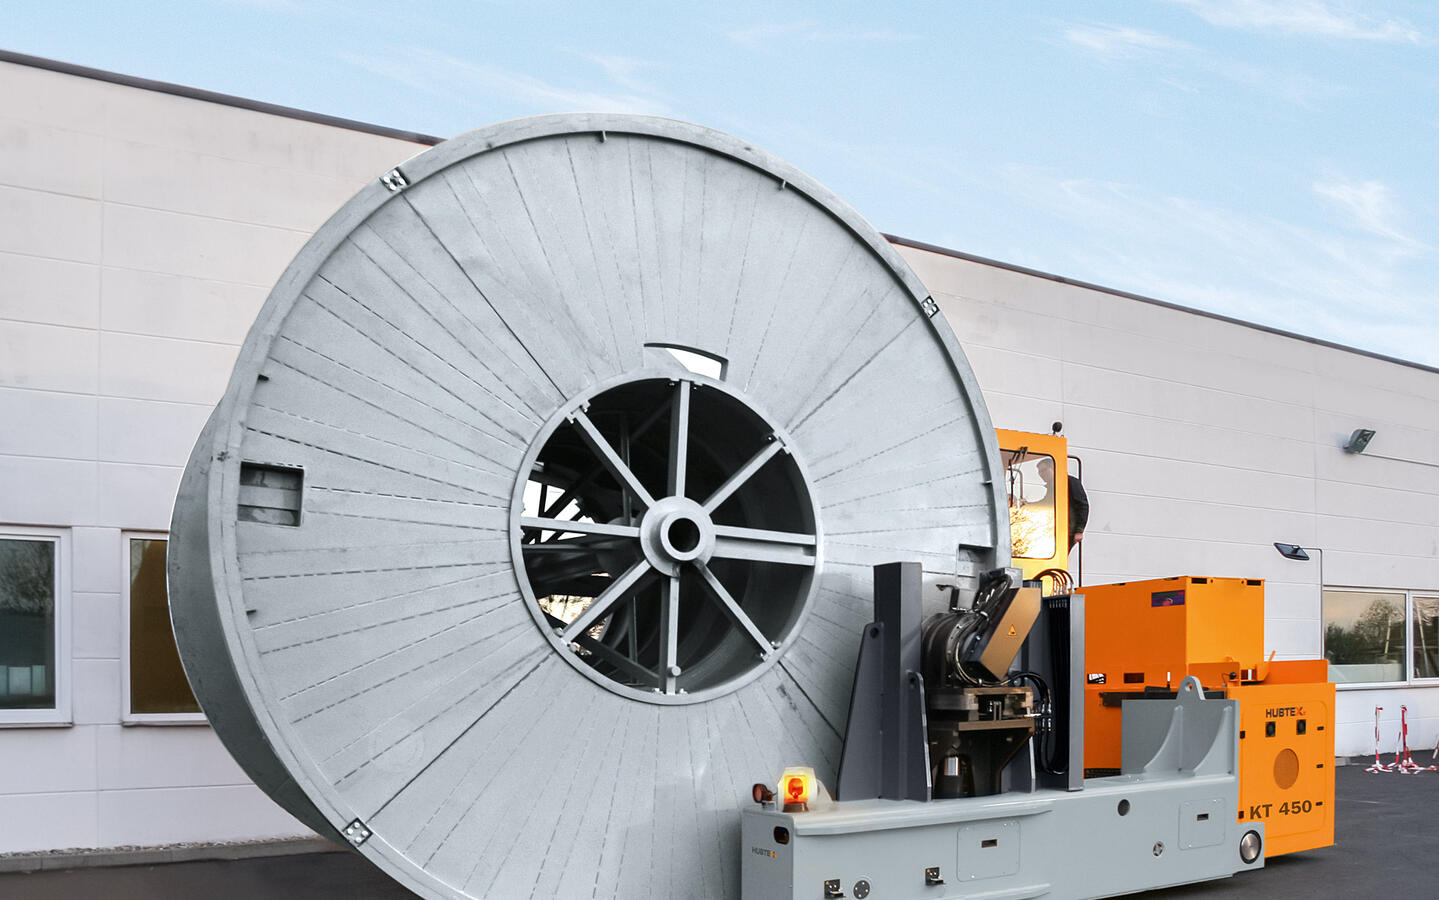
{"x":1249,"y":846}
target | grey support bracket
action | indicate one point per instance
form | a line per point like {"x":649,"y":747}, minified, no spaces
{"x":886,"y":751}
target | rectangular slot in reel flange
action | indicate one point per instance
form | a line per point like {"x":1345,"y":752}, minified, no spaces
{"x":270,"y":494}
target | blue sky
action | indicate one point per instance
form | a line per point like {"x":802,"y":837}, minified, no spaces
{"x":1272,"y":160}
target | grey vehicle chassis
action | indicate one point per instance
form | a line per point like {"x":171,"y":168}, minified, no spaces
{"x":1169,"y":820}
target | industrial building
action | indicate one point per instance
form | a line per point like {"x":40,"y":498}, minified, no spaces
{"x":141,"y":226}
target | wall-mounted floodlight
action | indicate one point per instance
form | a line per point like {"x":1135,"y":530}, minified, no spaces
{"x":1359,"y":440}
{"x":1291,"y":551}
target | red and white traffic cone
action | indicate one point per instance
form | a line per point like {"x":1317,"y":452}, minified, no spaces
{"x":1378,"y":766}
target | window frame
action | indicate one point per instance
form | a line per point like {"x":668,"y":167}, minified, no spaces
{"x":1409,"y":679}
{"x":59,"y":716}
{"x":127,"y":715}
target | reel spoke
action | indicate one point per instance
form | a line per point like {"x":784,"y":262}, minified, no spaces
{"x":608,"y":598}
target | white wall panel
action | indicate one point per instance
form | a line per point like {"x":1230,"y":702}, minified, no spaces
{"x":1171,"y":358}
{"x":1370,"y":472}
{"x":172,"y":306}
{"x":137,"y":497}
{"x":35,"y":822}
{"x":1205,"y":333}
{"x":47,"y":423}
{"x":1365,"y":405}
{"x":1106,"y":388}
{"x":149,"y":431}
{"x":965,"y":280}
{"x":1377,"y":537}
{"x":47,"y":357}
{"x":1150,"y":556}
{"x":1008,"y":372}
{"x":95,"y":626}
{"x":196,"y":246}
{"x":164,"y":757}
{"x":40,"y":491}
{"x":141,"y":367}
{"x":1292,"y":638}
{"x":981,"y":323}
{"x":172,"y":815}
{"x":1024,"y":413}
{"x":1381,"y":570}
{"x":1291,"y":601}
{"x":96,"y":691}
{"x":1415,"y":507}
{"x":1195,"y":521}
{"x":52,"y":291}
{"x":1114,"y":428}
{"x":1175,"y":479}
{"x":97,"y":554}
{"x":51,"y":99}
{"x":50,"y":225}
{"x":48,"y":760}
{"x":49,"y":158}
{"x":1358,"y":369}
{"x":253,"y":137}
{"x":164,"y":178}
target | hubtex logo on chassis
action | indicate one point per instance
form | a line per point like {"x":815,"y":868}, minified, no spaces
{"x":1283,"y":712}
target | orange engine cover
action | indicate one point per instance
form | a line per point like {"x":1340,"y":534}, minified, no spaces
{"x":1143,"y":637}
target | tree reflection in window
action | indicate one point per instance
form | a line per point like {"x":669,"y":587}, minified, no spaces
{"x":1364,"y":635}
{"x":1426,"y":637}
{"x":27,"y":624}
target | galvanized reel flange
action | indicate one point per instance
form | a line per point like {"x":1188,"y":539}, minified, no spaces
{"x":537,"y":519}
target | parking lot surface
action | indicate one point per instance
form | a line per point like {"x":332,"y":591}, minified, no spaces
{"x":1387,"y":840}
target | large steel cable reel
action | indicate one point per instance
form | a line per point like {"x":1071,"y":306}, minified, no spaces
{"x":375,"y":598}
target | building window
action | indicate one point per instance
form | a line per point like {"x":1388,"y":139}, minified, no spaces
{"x":34,"y":630}
{"x":1426,"y":636}
{"x":156,"y":689}
{"x":1374,"y":637}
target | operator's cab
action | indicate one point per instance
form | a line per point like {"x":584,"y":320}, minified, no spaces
{"x":1036,"y":481}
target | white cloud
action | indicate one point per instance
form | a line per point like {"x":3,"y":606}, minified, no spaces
{"x":624,"y":70}
{"x":1115,"y":43}
{"x":1293,"y":87}
{"x":1119,"y":41}
{"x":1370,"y":203}
{"x":809,"y":32}
{"x":1313,"y":18}
{"x":441,"y":73}
{"x":1360,"y":285}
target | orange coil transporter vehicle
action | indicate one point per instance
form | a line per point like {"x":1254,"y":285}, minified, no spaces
{"x":1143,"y":637}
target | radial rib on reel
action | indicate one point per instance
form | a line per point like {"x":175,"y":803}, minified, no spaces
{"x":538,"y":516}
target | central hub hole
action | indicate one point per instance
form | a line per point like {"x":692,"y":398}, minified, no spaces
{"x":684,"y":534}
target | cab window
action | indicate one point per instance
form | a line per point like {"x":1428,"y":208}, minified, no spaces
{"x":1029,"y":479}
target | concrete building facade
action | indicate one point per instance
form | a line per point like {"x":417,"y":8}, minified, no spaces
{"x":141,"y":226}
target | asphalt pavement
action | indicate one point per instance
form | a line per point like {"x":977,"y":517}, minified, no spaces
{"x":1387,"y":845}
